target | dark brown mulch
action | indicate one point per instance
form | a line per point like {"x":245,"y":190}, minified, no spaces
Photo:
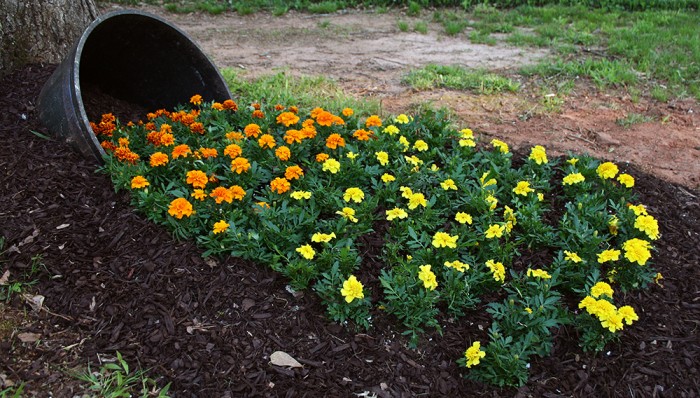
{"x":115,"y":282}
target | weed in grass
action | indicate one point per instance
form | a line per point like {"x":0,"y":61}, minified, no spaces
{"x":115,"y":380}
{"x":453,"y":28}
{"x":459,"y":78}
{"x":280,"y":10}
{"x":478,"y":37}
{"x":421,"y":27}
{"x":12,"y":392}
{"x":325,"y":7}
{"x":632,"y":119}
{"x":324,"y":24}
{"x":245,"y":9}
{"x":211,"y":7}
{"x":402,"y":25}
{"x":414,"y":9}
{"x":660,"y":93}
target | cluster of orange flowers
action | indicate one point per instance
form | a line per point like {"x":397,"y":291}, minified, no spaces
{"x":106,"y":126}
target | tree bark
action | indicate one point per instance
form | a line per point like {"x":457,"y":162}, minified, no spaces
{"x":34,"y":31}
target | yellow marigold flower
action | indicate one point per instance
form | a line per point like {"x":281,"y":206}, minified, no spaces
{"x":648,"y":225}
{"x":458,"y":265}
{"x":612,"y":225}
{"x":467,"y":142}
{"x":287,"y":118}
{"x":467,"y":134}
{"x":462,"y":217}
{"x":523,"y":188}
{"x":267,"y":141}
{"x":538,"y":273}
{"x":538,"y":154}
{"x":199,"y":194}
{"x":196,"y":99}
{"x":179,"y":208}
{"x":573,"y":178}
{"x":280,"y":185}
{"x":406,"y":192}
{"x":252,"y":130}
{"x":416,"y":199}
{"x":420,"y":146}
{"x":443,"y":239}
{"x":293,"y":172}
{"x":428,"y":277}
{"x":611,"y":321}
{"x":240,"y":165}
{"x":404,"y":141}
{"x":572,"y":256}
{"x":502,"y":146}
{"x":528,"y":310}
{"x":637,"y":250}
{"x":299,"y":195}
{"x":396,"y":212}
{"x":540,"y":196}
{"x":221,"y":194}
{"x":626,"y":180}
{"x":494,"y":231}
{"x":509,"y":215}
{"x":608,"y":255}
{"x":351,"y":155}
{"x":347,"y":213}
{"x":448,"y":184}
{"x":601,"y":288}
{"x":474,"y":354}
{"x":572,"y":161}
{"x":587,"y":302}
{"x":220,"y":226}
{"x":492,"y":202}
{"x":233,"y":151}
{"x":391,"y":129}
{"x":387,"y":178}
{"x":413,"y":160}
{"x":319,"y":237}
{"x":335,"y":140}
{"x":401,"y":119}
{"x":331,"y":165}
{"x":347,"y":112}
{"x":657,"y":278}
{"x":639,"y":210}
{"x":158,"y":159}
{"x":382,"y":157}
{"x":607,"y":170}
{"x":486,"y":183}
{"x":181,"y":151}
{"x":139,"y":182}
{"x":283,"y":153}
{"x":373,"y":121}
{"x":352,"y":289}
{"x":306,"y":251}
{"x":355,"y":194}
{"x":197,"y":178}
{"x":627,"y":313}
{"x":497,"y":269}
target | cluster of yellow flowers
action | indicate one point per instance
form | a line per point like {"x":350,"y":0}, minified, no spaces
{"x":610,"y":316}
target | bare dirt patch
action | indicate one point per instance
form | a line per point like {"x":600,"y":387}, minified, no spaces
{"x":367,"y":54}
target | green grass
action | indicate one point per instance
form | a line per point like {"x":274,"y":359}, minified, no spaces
{"x":116,"y":380}
{"x":402,"y":25}
{"x":459,"y":78}
{"x":304,"y":91}
{"x":421,"y":27}
{"x":632,"y":119}
{"x":325,"y":7}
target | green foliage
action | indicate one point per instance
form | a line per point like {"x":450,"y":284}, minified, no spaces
{"x":329,"y":287}
{"x":16,"y":286}
{"x":12,"y":392}
{"x":632,"y":119}
{"x":116,"y":380}
{"x":459,"y":78}
{"x":324,"y":7}
{"x":402,"y":25}
{"x":421,"y":27}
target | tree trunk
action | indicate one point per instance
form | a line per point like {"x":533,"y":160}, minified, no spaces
{"x":40,"y":30}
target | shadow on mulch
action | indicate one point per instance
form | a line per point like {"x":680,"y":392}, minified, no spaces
{"x":115,"y":282}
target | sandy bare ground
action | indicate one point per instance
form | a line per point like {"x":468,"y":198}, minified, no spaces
{"x":367,"y":55}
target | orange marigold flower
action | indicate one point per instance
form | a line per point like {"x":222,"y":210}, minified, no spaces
{"x":347,"y":112}
{"x":197,"y":178}
{"x":180,"y":207}
{"x":199,"y":194}
{"x":373,"y":121}
{"x":197,"y":128}
{"x":108,"y":118}
{"x":267,"y":141}
{"x":217,"y":106}
{"x":308,"y":132}
{"x":176,"y":116}
{"x":240,"y":165}
{"x":322,"y":157}
{"x":287,"y":119}
{"x":159,"y":159}
{"x":166,"y":128}
{"x":213,"y":178}
{"x":292,"y":136}
{"x":108,"y":146}
{"x":154,"y":137}
{"x":362,"y":134}
{"x":221,"y":194}
{"x":293,"y":109}
{"x":234,"y":136}
{"x":255,"y":106}
{"x":151,"y":115}
{"x":283,"y":153}
{"x":125,"y":155}
{"x":237,"y":192}
{"x":293,"y":172}
{"x":233,"y":151}
{"x":208,"y":152}
{"x":230,"y":105}
{"x":308,"y":123}
{"x":150,"y":126}
{"x":258,"y":114}
{"x":220,"y":226}
{"x":315,"y":112}
{"x":280,"y":185}
{"x":196,"y":99}
{"x":325,"y":118}
{"x":167,"y":139}
{"x":335,"y":140}
{"x":252,"y":130}
{"x":181,"y":151}
{"x":188,"y":119}
{"x":139,"y":182}
{"x":279,"y":107}
{"x":124,"y":142}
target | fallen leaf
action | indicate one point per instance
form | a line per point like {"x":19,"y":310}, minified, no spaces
{"x":4,"y":278}
{"x":280,"y":358}
{"x":28,"y":337}
{"x":36,"y":302}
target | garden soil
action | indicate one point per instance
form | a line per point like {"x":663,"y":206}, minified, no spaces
{"x":111,"y":281}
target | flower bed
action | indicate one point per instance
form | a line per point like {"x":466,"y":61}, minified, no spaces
{"x":298,"y":191}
